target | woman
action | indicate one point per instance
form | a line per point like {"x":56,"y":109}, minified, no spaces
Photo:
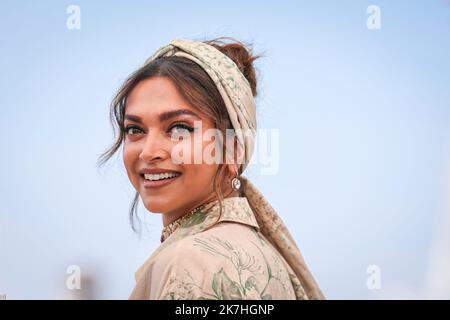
{"x":221,"y":238}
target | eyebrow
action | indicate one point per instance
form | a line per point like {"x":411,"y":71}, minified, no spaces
{"x":165,"y":115}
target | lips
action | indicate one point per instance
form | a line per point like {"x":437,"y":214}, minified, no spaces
{"x":160,"y":176}
{"x":159,"y":183}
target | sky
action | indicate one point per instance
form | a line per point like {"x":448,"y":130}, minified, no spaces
{"x":363,"y":115}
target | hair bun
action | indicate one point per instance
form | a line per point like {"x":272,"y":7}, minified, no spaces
{"x":241,"y":54}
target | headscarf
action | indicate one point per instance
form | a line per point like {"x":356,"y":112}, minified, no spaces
{"x":240,"y":103}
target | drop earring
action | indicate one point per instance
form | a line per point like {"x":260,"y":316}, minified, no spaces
{"x":236,"y":183}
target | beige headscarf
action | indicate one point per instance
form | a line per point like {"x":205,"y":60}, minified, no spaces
{"x":237,"y":95}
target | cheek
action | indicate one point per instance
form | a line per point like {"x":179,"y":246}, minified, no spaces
{"x":206,"y":168}
{"x":202,"y":174}
{"x":198,"y":178}
{"x":130,"y":158}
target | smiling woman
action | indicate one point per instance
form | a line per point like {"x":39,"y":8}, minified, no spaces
{"x":183,"y":92}
{"x":148,"y":149}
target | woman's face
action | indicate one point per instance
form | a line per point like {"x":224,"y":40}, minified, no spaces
{"x":152,"y":117}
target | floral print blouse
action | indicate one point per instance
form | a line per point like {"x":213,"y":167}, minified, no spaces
{"x":217,"y":256}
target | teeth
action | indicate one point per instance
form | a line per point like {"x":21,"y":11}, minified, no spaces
{"x":159,"y":176}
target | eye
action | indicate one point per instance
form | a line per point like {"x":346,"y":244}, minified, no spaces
{"x":180,"y":129}
{"x":131,"y":130}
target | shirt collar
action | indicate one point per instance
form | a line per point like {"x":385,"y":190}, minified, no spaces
{"x":235,"y":209}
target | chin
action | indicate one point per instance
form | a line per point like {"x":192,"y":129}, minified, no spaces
{"x":157,"y":204}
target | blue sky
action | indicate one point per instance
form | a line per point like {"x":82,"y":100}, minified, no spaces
{"x":363,"y":117}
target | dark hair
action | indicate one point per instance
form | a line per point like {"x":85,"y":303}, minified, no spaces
{"x":195,"y":85}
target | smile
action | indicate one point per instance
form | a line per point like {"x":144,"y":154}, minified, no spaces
{"x":160,"y":176}
{"x":159,"y":179}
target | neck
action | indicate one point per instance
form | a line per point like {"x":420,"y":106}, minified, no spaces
{"x":172,"y":216}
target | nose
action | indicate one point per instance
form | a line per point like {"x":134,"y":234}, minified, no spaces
{"x":154,"y":148}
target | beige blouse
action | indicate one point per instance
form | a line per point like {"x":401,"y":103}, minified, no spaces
{"x":213,"y":256}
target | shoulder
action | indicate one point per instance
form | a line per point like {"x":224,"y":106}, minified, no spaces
{"x":201,"y":250}
{"x":209,"y":246}
{"x":207,"y":265}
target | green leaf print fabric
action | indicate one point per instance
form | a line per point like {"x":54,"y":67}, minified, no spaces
{"x":218,"y":256}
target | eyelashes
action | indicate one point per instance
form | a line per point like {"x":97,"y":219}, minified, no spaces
{"x":181,"y":128}
{"x":128,"y":128}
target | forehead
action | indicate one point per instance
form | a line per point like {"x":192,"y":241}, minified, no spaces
{"x":155,"y":95}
